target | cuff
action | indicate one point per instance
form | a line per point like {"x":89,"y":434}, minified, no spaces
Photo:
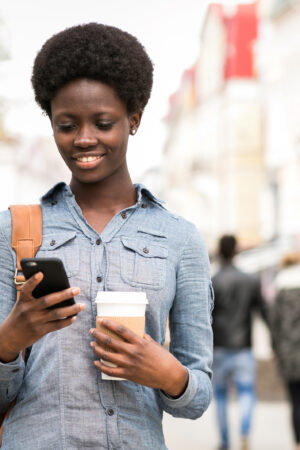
{"x":186,"y":397}
{"x":11,"y":369}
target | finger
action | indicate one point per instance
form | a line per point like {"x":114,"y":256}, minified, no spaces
{"x":147,"y":337}
{"x":57,"y":297}
{"x":61,"y":313}
{"x":109,"y":341}
{"x":111,"y":357}
{"x":120,"y":330}
{"x":58,"y":324}
{"x":118,"y":372}
{"x":30,"y":285}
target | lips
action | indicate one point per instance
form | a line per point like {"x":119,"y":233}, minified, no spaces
{"x":88,"y":158}
{"x":87,"y":161}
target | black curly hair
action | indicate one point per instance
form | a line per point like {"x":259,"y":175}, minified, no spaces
{"x":96,"y":51}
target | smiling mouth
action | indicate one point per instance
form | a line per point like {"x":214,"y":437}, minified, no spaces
{"x":88,"y":161}
{"x":85,"y":159}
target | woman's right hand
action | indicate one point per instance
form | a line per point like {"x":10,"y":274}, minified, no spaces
{"x":30,"y":319}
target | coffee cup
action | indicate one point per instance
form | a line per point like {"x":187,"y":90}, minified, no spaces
{"x":126,"y":308}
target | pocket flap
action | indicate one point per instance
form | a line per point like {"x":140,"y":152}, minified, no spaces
{"x":55,"y":240}
{"x":151,"y":231}
{"x":144,"y":248}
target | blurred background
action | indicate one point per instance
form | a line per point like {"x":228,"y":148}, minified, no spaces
{"x":219,"y":141}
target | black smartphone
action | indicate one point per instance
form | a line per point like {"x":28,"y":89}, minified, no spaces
{"x":55,"y":277}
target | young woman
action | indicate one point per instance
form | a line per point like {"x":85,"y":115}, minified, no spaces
{"x":93,"y":81}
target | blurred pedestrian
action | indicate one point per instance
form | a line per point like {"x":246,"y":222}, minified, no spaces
{"x":93,"y":82}
{"x":237,"y":295}
{"x":285,"y":327}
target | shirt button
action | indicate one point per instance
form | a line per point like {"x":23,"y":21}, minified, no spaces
{"x":99,"y":279}
{"x":110,"y":412}
{"x":54,"y":203}
{"x":145,"y":250}
{"x":52,"y":242}
{"x":98,"y":241}
{"x":15,"y":370}
{"x":124,"y":215}
{"x":144,"y":205}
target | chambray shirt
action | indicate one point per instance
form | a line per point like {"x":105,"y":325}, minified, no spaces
{"x":61,"y":400}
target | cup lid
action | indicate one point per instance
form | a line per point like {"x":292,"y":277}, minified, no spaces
{"x":121,"y":297}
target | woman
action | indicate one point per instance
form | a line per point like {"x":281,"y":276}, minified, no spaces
{"x":285,"y":321}
{"x":93,"y":81}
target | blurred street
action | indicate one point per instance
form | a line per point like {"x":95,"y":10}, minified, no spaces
{"x":271,"y":429}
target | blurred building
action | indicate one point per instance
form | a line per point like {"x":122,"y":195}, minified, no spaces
{"x":214,"y":153}
{"x":28,"y":167}
{"x":279,"y":69}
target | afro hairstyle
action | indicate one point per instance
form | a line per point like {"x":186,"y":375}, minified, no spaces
{"x":99,"y":52}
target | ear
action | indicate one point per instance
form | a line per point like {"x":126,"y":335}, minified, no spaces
{"x":134,"y":121}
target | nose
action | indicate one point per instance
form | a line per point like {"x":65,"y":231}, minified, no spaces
{"x":85,"y":137}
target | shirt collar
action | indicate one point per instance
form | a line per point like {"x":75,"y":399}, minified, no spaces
{"x":141,"y":191}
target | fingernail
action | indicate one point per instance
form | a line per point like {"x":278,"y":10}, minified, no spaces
{"x":92,"y":330}
{"x":73,"y":319}
{"x":82,"y":306}
{"x":75,"y":290}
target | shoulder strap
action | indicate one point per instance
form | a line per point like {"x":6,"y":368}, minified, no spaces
{"x":27,"y":234}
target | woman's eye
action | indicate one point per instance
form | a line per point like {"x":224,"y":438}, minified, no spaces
{"x":104,"y":125}
{"x":65,"y":127}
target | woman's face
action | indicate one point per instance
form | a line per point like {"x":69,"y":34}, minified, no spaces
{"x":91,"y":128}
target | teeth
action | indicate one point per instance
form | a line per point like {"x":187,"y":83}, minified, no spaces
{"x":88,"y":158}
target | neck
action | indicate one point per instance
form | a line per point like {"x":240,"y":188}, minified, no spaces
{"x":104,"y":196}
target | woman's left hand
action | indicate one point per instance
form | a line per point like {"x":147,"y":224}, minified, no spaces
{"x":139,"y":359}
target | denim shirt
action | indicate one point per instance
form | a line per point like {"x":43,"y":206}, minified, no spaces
{"x":61,"y":400}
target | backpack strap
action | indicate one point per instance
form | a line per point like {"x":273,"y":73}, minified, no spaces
{"x":26,"y":239}
{"x":27,"y":234}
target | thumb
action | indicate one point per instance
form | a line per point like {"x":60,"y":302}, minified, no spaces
{"x":30,"y":285}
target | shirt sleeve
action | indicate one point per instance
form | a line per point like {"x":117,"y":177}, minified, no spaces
{"x":11,"y":374}
{"x":191,"y":339}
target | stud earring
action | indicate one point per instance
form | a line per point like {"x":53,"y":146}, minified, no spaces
{"x":133,"y":131}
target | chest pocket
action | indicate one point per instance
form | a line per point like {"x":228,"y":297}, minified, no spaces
{"x":63,"y":246}
{"x":143,"y":263}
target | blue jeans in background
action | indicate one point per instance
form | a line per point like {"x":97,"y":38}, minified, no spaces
{"x":235,"y":367}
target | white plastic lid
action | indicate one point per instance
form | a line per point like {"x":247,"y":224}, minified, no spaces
{"x":121,"y":297}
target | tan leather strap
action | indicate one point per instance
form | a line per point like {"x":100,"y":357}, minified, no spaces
{"x":26,"y":239}
{"x":26,"y":231}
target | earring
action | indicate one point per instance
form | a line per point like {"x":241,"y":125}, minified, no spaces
{"x":133,"y":131}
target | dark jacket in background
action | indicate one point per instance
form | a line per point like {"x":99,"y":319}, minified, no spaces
{"x":237,"y":295}
{"x":285,"y":322}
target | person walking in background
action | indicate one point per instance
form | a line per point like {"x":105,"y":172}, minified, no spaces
{"x":285,"y":330}
{"x":237,"y":295}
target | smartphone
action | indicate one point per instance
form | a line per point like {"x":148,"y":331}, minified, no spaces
{"x":55,"y":277}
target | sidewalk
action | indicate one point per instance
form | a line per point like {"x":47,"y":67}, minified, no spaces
{"x":271,"y":429}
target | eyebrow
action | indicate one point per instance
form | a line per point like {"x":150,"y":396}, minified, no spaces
{"x":74,"y":116}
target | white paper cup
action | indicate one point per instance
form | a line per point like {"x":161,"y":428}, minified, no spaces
{"x":126,"y":308}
